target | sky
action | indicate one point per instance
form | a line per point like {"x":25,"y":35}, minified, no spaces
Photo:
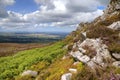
{"x":48,"y":15}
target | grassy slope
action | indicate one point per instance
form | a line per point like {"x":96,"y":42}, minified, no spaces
{"x":14,"y":65}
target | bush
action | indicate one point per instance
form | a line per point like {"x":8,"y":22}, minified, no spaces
{"x":109,"y":20}
{"x":100,"y":31}
{"x":114,"y":47}
{"x":70,"y":46}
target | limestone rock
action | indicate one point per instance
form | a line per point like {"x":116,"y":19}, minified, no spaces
{"x":115,"y":25}
{"x":29,"y":72}
{"x":116,"y":64}
{"x":84,"y":58}
{"x":116,"y":56}
{"x":91,"y":64}
{"x":98,"y":59}
{"x":75,"y":63}
{"x":74,"y":46}
{"x":73,"y":70}
{"x":76,"y":54}
{"x":82,"y":50}
{"x":84,"y":34}
{"x":65,"y":57}
{"x":97,"y":46}
{"x":66,"y":76}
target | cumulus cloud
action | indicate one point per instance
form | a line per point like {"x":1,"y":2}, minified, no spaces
{"x":54,"y":13}
{"x":3,"y":4}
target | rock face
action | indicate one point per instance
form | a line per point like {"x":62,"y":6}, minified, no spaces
{"x":96,"y":45}
{"x":29,"y":72}
{"x":66,"y":76}
{"x":115,"y":25}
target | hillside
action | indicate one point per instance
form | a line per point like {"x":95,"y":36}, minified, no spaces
{"x":92,"y":52}
{"x":14,"y":65}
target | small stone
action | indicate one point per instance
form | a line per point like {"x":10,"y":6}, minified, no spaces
{"x":29,"y":72}
{"x":116,"y":55}
{"x":73,"y":70}
{"x":116,"y":64}
{"x":65,"y":57}
{"x":75,"y":63}
{"x":84,"y":34}
{"x":66,"y":76}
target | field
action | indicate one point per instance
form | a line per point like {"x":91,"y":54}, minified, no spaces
{"x":11,"y":43}
{"x":12,"y":66}
{"x":7,"y":49}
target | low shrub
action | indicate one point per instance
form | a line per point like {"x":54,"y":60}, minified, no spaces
{"x":70,"y":46}
{"x":100,"y":31}
{"x":114,"y":47}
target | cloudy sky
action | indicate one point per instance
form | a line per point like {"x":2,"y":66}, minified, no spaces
{"x":47,"y":15}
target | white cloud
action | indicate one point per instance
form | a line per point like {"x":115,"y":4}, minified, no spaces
{"x":6,"y":2}
{"x":3,"y":4}
{"x":54,"y":13}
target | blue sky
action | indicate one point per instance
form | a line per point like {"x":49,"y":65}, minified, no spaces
{"x":47,"y":15}
{"x":23,"y":6}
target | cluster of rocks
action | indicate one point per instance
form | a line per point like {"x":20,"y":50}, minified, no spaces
{"x":99,"y":57}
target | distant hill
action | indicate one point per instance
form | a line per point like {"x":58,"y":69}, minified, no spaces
{"x":31,"y":37}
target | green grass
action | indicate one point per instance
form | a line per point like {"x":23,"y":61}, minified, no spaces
{"x":13,"y":65}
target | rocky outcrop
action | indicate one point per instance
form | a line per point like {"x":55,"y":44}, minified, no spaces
{"x":30,"y":73}
{"x":96,"y":51}
{"x":99,"y":56}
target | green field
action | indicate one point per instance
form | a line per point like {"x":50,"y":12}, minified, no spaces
{"x":12,"y":66}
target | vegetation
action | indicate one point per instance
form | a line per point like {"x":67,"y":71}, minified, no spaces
{"x":100,"y":32}
{"x":48,"y":61}
{"x":7,"y":49}
{"x":13,"y":65}
{"x":110,"y":37}
{"x":55,"y":70}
